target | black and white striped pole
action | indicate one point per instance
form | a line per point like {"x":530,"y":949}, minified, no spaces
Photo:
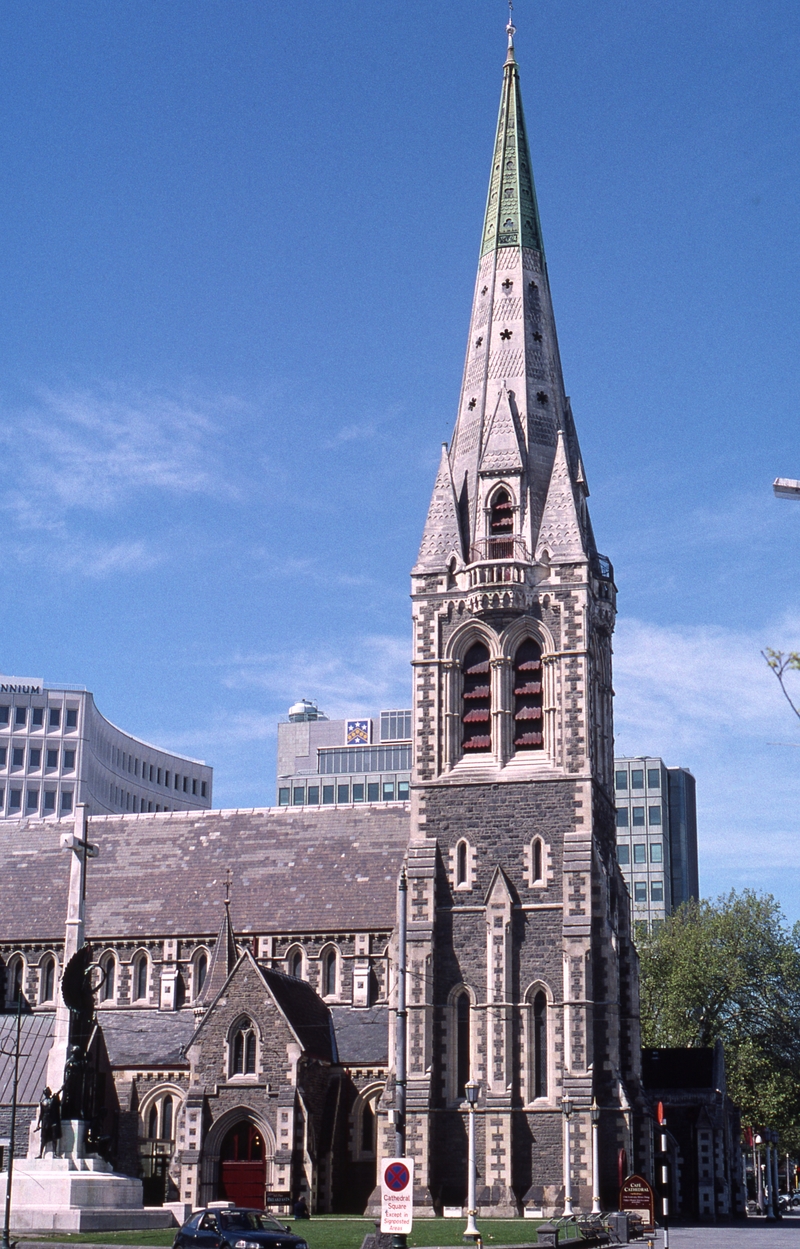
{"x":664,"y":1171}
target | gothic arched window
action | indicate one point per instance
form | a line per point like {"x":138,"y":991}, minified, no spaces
{"x":537,"y":860}
{"x":329,"y":974}
{"x":140,"y":969}
{"x":108,"y":966}
{"x":539,"y":1056}
{"x":243,"y":1050}
{"x":167,"y":1119}
{"x":528,"y":697}
{"x":368,"y":1129}
{"x":501,"y":526}
{"x":200,"y":973}
{"x":47,"y":984}
{"x":160,"y":1122}
{"x":15,"y":980}
{"x":294,"y":964}
{"x":461,"y":863}
{"x":463,"y":1040}
{"x":477,"y":699}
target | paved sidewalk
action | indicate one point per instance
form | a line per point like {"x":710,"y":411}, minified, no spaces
{"x":752,"y":1233}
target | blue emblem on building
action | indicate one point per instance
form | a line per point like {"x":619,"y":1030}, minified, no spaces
{"x":357,"y":733}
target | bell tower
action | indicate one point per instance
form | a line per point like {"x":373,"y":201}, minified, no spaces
{"x":522,"y":974}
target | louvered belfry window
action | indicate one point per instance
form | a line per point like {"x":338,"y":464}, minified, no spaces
{"x":501,"y":519}
{"x":477,"y":699}
{"x":528,"y":697}
{"x":501,"y":527}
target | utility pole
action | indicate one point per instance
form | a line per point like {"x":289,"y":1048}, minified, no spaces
{"x":6,"y":1244}
{"x":399,"y":1240}
{"x":664,"y":1151}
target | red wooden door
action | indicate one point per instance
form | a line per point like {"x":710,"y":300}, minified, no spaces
{"x":243,"y":1167}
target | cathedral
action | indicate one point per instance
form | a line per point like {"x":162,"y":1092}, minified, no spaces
{"x":246,"y":961}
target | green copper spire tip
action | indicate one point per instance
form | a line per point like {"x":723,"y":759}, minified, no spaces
{"x":512,"y":216}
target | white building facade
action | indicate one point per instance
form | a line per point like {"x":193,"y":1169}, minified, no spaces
{"x":56,"y":750}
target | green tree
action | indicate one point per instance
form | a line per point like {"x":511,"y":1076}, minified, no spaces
{"x":730,"y":971}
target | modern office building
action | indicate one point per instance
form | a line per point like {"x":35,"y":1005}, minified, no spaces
{"x":56,"y":750}
{"x":337,"y":762}
{"x":656,"y":836}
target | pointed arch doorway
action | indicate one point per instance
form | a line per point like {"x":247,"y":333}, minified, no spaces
{"x":243,"y":1166}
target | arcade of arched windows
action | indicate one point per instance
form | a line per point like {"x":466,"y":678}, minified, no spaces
{"x":499,"y":696}
{"x":131,"y":975}
{"x":463,"y":1024}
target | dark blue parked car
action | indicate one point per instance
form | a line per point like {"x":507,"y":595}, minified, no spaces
{"x":235,"y":1228}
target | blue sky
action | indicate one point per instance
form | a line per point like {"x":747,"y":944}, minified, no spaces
{"x":239,"y":243}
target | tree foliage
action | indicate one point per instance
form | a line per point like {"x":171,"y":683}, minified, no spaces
{"x":730,"y":971}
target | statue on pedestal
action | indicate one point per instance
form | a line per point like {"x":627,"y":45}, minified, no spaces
{"x":49,"y":1120}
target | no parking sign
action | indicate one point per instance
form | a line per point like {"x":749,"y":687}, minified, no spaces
{"x":397,"y":1195}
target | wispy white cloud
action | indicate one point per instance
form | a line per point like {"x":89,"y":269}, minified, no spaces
{"x":366,"y":673}
{"x":351,"y":433}
{"x":79,"y":451}
{"x":83,"y":465}
{"x":688,"y":685}
{"x":702,"y":697}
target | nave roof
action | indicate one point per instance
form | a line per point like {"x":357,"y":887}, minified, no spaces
{"x":162,"y":875}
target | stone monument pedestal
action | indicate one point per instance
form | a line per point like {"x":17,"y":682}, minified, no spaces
{"x":75,"y":1192}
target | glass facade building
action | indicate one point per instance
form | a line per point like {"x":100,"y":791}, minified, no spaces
{"x":656,"y":837}
{"x":325,"y":762}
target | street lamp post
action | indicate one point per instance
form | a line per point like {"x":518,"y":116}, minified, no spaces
{"x":770,"y":1186}
{"x":566,"y":1109}
{"x":595,"y":1113}
{"x":472,"y":1090}
{"x":14,"y":1090}
{"x":400,"y":1240}
{"x":776,"y":1177}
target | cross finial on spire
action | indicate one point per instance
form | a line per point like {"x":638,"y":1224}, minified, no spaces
{"x":228,"y":879}
{"x":511,"y":31}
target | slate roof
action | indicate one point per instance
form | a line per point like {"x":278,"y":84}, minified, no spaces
{"x":36,"y":1038}
{"x":162,"y":875}
{"x":306,"y":1012}
{"x":146,"y":1038}
{"x":362,"y":1036}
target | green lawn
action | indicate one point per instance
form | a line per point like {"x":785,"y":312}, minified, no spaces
{"x":332,"y":1232}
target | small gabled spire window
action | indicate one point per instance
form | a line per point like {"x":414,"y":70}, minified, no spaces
{"x":528,"y":697}
{"x":476,"y":699}
{"x":501,"y":526}
{"x":501,"y":516}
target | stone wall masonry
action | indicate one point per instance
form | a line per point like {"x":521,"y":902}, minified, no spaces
{"x":501,"y":820}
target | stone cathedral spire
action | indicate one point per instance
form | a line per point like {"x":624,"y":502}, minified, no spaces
{"x":523,"y":976}
{"x":512,"y":407}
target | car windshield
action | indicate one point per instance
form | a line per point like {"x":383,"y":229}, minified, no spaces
{"x":248,"y":1221}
